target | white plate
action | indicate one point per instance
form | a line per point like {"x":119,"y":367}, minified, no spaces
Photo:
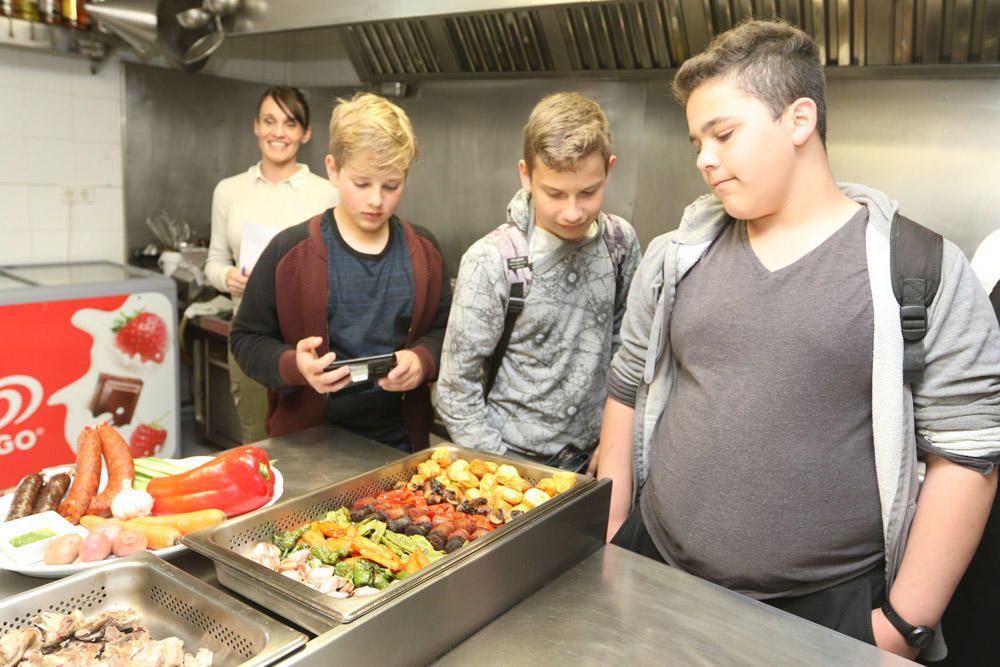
{"x":40,"y":569}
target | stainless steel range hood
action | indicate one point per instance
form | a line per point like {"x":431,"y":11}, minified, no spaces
{"x":411,"y":40}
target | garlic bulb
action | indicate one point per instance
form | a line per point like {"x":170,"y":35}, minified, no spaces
{"x":131,"y":503}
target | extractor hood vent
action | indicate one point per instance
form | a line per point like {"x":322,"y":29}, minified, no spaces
{"x":392,"y":41}
{"x":393,"y":48}
{"x":500,"y":42}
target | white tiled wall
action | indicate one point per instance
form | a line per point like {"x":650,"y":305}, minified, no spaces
{"x":60,"y":159}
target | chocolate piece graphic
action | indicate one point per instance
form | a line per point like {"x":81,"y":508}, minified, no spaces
{"x":115,"y":394}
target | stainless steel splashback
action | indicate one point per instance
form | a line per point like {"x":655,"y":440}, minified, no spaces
{"x":395,"y":41}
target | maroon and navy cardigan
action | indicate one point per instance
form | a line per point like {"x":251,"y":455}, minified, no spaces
{"x":286,"y":300}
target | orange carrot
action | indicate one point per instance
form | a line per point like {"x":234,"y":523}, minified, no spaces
{"x":186,"y":523}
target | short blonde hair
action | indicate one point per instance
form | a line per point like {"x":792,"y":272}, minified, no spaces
{"x":565,"y":128}
{"x":371,"y":129}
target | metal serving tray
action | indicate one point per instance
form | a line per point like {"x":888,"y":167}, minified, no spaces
{"x":228,"y":544}
{"x":172,"y":603}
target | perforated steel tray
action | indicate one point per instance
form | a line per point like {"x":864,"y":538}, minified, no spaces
{"x":228,"y":544}
{"x":172,"y":603}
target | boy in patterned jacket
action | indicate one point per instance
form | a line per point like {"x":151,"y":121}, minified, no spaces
{"x":549,"y":384}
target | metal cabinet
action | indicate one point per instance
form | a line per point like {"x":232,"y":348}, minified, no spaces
{"x":214,"y":411}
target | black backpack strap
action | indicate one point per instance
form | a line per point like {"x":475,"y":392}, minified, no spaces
{"x":915,"y":254}
{"x":515,"y":305}
{"x":995,"y":300}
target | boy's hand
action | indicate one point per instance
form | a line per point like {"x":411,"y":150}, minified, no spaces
{"x":236,"y":282}
{"x":311,"y":366}
{"x":406,"y":375}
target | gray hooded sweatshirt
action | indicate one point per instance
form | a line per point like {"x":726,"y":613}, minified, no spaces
{"x":550,"y":388}
{"x":954,"y":412}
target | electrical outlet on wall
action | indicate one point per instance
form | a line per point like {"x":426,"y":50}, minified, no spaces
{"x":78,"y":195}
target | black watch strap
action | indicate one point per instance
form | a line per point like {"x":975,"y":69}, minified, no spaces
{"x":919,"y":636}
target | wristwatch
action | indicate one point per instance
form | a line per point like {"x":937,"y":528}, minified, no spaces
{"x":919,"y":636}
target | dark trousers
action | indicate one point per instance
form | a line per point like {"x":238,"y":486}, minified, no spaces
{"x":846,"y":607}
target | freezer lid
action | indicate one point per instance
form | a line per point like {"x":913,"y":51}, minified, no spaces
{"x":76,"y":273}
{"x":10,"y":282}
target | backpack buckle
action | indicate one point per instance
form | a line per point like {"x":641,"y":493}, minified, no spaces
{"x":913,"y":321}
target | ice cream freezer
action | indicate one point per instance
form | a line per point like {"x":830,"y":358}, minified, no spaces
{"x":85,"y":342}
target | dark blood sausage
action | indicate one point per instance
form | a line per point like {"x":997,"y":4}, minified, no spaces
{"x":24,"y":497}
{"x":51,"y":493}
{"x":88,"y":476}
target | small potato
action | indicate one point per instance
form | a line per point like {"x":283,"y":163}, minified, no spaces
{"x":548,"y":485}
{"x":564,"y":480}
{"x":520,"y":484}
{"x":488,"y":482}
{"x":535,"y":497}
{"x":63,"y":550}
{"x":429,"y":469}
{"x":478,"y":468}
{"x":506,"y":473}
{"x":509,"y":495}
{"x":441,"y":456}
{"x":457,"y":468}
{"x":128,"y":542}
{"x":95,"y":547}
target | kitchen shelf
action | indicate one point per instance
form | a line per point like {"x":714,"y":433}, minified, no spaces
{"x":55,"y":39}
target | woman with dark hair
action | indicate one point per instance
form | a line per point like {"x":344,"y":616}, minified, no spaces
{"x":275,"y":193}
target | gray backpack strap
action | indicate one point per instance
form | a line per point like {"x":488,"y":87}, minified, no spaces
{"x":995,"y":300}
{"x":513,"y":246}
{"x":614,"y":238}
{"x":915,"y":254}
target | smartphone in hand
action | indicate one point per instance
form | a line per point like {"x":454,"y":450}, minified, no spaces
{"x":366,"y":369}
{"x":570,"y":457}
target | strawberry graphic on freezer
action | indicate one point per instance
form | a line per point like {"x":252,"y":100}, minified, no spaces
{"x":132,"y":354}
{"x":143,"y":334}
{"x":83,"y":343}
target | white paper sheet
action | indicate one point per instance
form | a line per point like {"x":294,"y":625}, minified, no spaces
{"x":255,"y":239}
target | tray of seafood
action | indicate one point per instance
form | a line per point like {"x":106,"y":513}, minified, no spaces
{"x":138,"y":610}
{"x":337,"y":553}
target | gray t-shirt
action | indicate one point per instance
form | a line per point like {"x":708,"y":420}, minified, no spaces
{"x":763,"y":472}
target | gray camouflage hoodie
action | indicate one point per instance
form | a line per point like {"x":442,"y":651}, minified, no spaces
{"x":550,"y":388}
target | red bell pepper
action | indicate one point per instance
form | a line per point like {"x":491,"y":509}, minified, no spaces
{"x":235,"y":482}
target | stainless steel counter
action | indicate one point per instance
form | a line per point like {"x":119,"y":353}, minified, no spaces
{"x":617,"y":607}
{"x":614,"y":606}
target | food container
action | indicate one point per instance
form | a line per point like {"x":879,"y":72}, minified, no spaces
{"x":33,"y":552}
{"x":172,"y":603}
{"x":228,"y":544}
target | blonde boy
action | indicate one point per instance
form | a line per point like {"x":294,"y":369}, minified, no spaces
{"x":549,"y":384}
{"x":758,"y":399}
{"x":355,"y":281}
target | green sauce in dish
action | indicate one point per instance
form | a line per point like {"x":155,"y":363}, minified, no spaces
{"x":33,"y":536}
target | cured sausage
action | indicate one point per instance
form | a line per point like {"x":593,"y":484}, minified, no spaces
{"x":24,"y":497}
{"x":51,"y":493}
{"x":88,"y":476}
{"x":120,"y":468}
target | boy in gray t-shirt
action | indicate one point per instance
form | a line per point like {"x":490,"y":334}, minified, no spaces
{"x":757,"y":399}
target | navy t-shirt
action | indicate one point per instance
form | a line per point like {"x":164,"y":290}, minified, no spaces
{"x":370,"y":306}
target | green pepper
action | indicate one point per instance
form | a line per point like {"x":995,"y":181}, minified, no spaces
{"x":326,"y":555}
{"x":362,"y":573}
{"x":286,"y":541}
{"x":344,"y":571}
{"x":381,"y":580}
